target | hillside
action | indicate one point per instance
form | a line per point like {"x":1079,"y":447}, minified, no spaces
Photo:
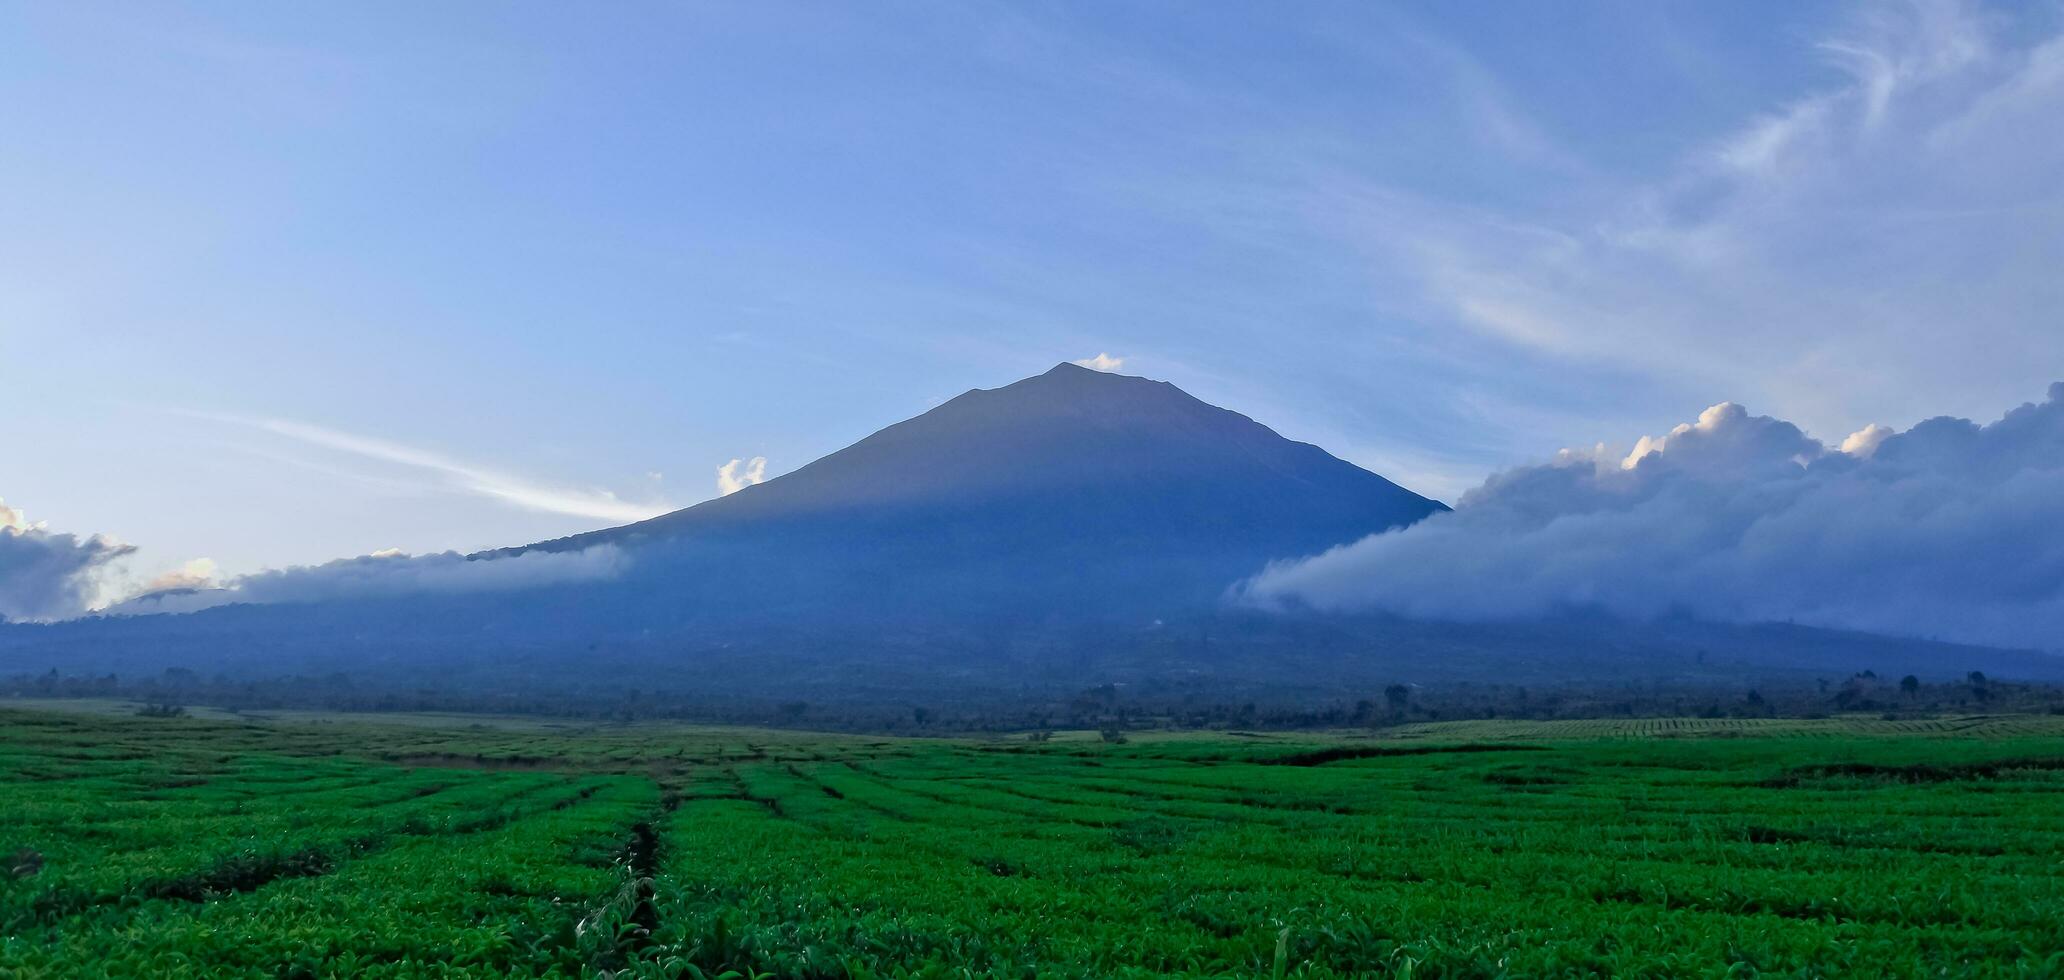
{"x":1074,"y":493}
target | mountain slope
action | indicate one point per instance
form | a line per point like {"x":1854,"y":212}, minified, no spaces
{"x":1071,"y":493}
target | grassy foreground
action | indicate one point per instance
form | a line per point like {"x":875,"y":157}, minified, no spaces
{"x":318,"y":847}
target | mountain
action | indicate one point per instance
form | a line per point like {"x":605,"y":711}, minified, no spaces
{"x":1064,"y":509}
{"x":1075,"y":493}
{"x":1072,"y":530}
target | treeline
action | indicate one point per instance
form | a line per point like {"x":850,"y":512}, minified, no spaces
{"x":1112,"y":708}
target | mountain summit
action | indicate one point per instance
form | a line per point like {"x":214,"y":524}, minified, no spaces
{"x":1072,"y":492}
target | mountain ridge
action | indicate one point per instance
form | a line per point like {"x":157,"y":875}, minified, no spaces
{"x":1072,"y":493}
{"x":866,"y":473}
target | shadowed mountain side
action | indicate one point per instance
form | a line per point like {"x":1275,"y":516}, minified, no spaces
{"x":1074,"y":493}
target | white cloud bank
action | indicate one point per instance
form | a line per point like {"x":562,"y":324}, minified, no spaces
{"x":1947,"y":530}
{"x":738,"y":474}
{"x":48,"y":575}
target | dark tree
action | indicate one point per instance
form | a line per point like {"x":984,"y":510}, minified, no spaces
{"x":1910,"y":686}
{"x":1399,"y":697}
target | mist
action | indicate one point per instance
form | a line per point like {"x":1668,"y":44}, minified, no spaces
{"x":391,"y":575}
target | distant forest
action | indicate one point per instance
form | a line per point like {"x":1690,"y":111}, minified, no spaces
{"x":1111,"y":708}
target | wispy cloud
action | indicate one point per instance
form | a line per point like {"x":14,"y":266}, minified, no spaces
{"x":1876,"y":245}
{"x":459,"y":476}
{"x":1101,"y":362}
{"x":1484,"y":105}
{"x":1822,"y":256}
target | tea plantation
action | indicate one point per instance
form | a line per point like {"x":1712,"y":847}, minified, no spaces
{"x":312,"y":846}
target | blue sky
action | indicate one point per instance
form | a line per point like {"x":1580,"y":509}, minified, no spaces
{"x":283,"y":283}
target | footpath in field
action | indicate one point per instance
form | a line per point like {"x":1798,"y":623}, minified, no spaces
{"x":223,"y":847}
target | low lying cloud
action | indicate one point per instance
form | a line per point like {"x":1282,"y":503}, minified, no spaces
{"x":738,"y":474}
{"x":196,"y":574}
{"x":1101,"y":362}
{"x":1950,"y":530}
{"x":390,"y":574}
{"x":48,"y":575}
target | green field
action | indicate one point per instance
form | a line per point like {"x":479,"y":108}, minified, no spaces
{"x":307,"y":846}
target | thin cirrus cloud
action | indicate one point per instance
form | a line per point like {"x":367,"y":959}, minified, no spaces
{"x":462,"y":477}
{"x":1811,"y":257}
{"x":1878,"y":244}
